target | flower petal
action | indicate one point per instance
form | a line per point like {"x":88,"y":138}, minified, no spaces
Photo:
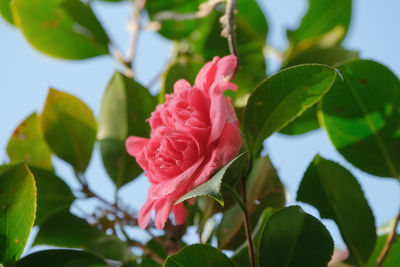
{"x":135,"y":145}
{"x":179,"y":213}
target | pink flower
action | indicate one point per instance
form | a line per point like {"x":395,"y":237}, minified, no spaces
{"x":193,"y":133}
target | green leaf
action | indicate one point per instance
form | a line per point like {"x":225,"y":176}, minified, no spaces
{"x":61,"y":257}
{"x":393,"y":257}
{"x":174,"y":29}
{"x":335,"y":192}
{"x":27,"y":144}
{"x":292,"y":237}
{"x":283,"y":97}
{"x":53,"y":194}
{"x":227,"y":175}
{"x":251,"y":33}
{"x":5,"y":11}
{"x":362,"y":117}
{"x":199,"y":256}
{"x":182,"y":68}
{"x":263,"y":189}
{"x":77,"y":233}
{"x":65,"y":29}
{"x":308,"y":121}
{"x":132,"y":104}
{"x":69,"y":128}
{"x":325,"y":24}
{"x":17,"y":211}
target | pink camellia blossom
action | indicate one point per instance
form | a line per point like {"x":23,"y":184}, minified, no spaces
{"x":193,"y":133}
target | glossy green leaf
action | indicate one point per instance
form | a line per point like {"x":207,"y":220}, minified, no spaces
{"x":325,"y":24}
{"x":5,"y":11}
{"x":61,"y":257}
{"x":308,"y":121}
{"x":393,"y":257}
{"x":251,"y":33}
{"x":283,"y":97}
{"x":27,"y":144}
{"x":292,"y":237}
{"x":65,"y":29}
{"x":264,"y":189}
{"x":77,"y":233}
{"x":362,"y":117}
{"x":335,"y":192}
{"x":17,"y":211}
{"x":182,"y":68}
{"x":199,"y":256}
{"x":53,"y":194}
{"x":228,"y":174}
{"x":69,"y":128}
{"x":174,"y":29}
{"x":132,"y":104}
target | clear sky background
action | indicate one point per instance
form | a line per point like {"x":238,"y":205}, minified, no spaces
{"x":26,"y":75}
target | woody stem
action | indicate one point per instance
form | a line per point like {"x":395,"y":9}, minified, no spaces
{"x":247,"y":225}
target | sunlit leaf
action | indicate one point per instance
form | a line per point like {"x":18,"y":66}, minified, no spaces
{"x":5,"y":11}
{"x":17,"y":211}
{"x":69,"y":128}
{"x":283,"y":97}
{"x":393,"y":257}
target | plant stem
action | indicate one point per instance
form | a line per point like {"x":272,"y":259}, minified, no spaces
{"x":247,"y":225}
{"x":389,"y":242}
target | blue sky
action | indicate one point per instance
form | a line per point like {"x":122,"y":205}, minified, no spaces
{"x":26,"y":75}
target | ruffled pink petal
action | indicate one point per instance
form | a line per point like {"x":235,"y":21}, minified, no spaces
{"x":163,"y":208}
{"x":218,"y":116}
{"x":228,"y":146}
{"x":180,"y":85}
{"x":225,"y":67}
{"x":206,"y":75}
{"x":135,"y":145}
{"x":179,"y":213}
{"x":167,"y":187}
{"x":145,"y":212}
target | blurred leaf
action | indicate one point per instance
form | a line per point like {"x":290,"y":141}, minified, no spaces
{"x":69,"y":128}
{"x":362,"y":117}
{"x":325,"y":24}
{"x":5,"y":167}
{"x":393,"y":257}
{"x":27,"y":144}
{"x":227,"y":175}
{"x":292,"y":237}
{"x":251,"y":33}
{"x":182,"y":68}
{"x":132,"y":104}
{"x":17,"y":212}
{"x":61,"y":257}
{"x":63,"y":229}
{"x":65,"y":29}
{"x":264,"y":189}
{"x":173,"y":29}
{"x":335,"y":192}
{"x":283,"y":97}
{"x":5,"y":11}
{"x":199,"y":255}
{"x":53,"y":194}
{"x":308,"y":121}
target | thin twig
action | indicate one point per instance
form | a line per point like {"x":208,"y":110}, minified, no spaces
{"x":389,"y":242}
{"x":173,"y":234}
{"x":247,"y":226}
{"x":229,"y":26}
{"x":135,"y":28}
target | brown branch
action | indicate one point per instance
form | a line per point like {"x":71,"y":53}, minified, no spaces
{"x":247,"y":226}
{"x":389,"y":242}
{"x":173,"y":234}
{"x":229,"y":26}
